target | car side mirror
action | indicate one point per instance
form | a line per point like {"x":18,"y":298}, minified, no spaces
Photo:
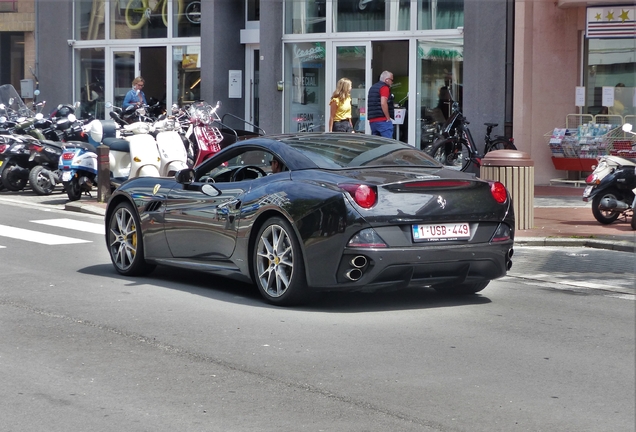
{"x":184,"y":176}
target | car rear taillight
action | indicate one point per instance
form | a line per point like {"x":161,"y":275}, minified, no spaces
{"x":38,"y":148}
{"x":68,"y":156}
{"x":3,"y":147}
{"x":498,"y":191}
{"x":364,"y":195}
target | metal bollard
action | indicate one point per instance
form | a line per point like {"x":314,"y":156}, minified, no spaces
{"x":103,"y":174}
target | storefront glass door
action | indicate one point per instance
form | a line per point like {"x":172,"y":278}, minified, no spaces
{"x":125,"y":67}
{"x":353,"y":61}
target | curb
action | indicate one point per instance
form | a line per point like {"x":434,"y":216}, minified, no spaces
{"x":77,"y":206}
{"x":617,"y":245}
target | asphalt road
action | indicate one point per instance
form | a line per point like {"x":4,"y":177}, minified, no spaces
{"x":548,"y":348}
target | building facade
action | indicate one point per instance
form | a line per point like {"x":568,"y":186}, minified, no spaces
{"x":275,"y":63}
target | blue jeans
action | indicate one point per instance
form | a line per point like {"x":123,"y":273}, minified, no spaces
{"x":382,"y":128}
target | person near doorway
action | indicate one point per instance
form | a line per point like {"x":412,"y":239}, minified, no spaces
{"x":618,"y":108}
{"x":340,"y":104}
{"x":380,"y":107}
{"x":136,"y":95}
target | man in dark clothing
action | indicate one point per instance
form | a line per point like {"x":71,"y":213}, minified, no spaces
{"x":380,"y":106}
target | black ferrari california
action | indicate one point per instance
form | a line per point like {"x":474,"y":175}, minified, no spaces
{"x":317,"y":211}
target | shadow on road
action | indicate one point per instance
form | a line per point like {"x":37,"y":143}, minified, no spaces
{"x":226,"y":290}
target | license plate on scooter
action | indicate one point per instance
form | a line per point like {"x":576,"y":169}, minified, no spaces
{"x":66,"y":176}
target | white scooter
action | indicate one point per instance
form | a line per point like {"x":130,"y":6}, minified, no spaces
{"x":172,"y":151}
{"x":133,"y":151}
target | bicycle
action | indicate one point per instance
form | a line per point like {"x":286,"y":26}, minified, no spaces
{"x":499,"y":143}
{"x":139,"y":12}
{"x":457,"y":148}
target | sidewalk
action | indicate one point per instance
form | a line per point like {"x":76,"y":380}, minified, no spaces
{"x":561,"y":218}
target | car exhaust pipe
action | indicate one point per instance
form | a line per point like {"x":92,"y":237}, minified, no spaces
{"x":509,"y":265}
{"x":354,"y":274}
{"x":359,"y":261}
{"x":511,"y":252}
{"x":613,"y":205}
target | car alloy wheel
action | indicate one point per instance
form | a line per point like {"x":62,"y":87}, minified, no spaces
{"x":278,"y":265}
{"x":125,"y":242}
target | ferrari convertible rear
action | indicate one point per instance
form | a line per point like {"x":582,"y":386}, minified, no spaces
{"x":340,"y":212}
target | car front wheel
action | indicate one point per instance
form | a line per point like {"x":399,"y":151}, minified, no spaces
{"x":125,"y":241}
{"x":279,"y":271}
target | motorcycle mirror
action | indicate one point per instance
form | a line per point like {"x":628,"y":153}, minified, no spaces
{"x":627,"y":127}
{"x":77,"y":104}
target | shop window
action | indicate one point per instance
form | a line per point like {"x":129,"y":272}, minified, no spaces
{"x":610,"y":63}
{"x":90,"y":74}
{"x":305,"y":87}
{"x":8,"y":6}
{"x":372,"y":15}
{"x":305,"y":16}
{"x":89,"y":19}
{"x":187,"y":18}
{"x":440,"y":82}
{"x":186,"y":71}
{"x":440,"y":14}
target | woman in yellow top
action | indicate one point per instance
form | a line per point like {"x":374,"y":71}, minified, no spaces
{"x":340,"y":104}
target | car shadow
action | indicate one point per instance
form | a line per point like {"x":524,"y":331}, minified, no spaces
{"x":227,"y":290}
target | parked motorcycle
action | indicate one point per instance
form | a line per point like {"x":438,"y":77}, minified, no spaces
{"x":203,"y":136}
{"x":78,"y":165}
{"x":612,"y":187}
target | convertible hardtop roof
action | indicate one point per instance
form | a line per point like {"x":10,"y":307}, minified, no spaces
{"x":339,"y":150}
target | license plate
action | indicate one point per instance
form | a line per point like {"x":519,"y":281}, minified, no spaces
{"x":1,"y":162}
{"x":66,"y":176}
{"x":587,"y":191}
{"x":436,"y":232}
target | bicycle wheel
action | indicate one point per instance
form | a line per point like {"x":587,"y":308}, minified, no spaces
{"x":452,"y":153}
{"x":193,"y":12}
{"x":178,"y":12}
{"x":136,"y":14}
{"x":500,"y":144}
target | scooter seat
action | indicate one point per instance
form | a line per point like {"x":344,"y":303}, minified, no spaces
{"x":52,"y":143}
{"x":117,"y":144}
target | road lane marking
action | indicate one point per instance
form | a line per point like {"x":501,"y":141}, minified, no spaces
{"x":37,"y":237}
{"x":73,"y":224}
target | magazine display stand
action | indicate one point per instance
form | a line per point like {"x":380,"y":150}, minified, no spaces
{"x":577,"y":146}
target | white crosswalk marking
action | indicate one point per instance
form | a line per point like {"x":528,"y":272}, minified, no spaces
{"x":37,"y":237}
{"x":73,"y":224}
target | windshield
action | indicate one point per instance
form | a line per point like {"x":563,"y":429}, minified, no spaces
{"x":12,"y":101}
{"x":333,"y":151}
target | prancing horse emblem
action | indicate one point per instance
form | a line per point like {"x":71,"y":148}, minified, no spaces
{"x":441,"y":201}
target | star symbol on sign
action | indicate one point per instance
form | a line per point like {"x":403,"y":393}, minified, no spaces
{"x":610,"y":16}
{"x":624,"y":15}
{"x":597,"y":17}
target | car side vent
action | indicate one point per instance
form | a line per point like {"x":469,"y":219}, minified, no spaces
{"x":153,"y":206}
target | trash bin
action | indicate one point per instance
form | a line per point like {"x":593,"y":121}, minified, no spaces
{"x":515,"y":170}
